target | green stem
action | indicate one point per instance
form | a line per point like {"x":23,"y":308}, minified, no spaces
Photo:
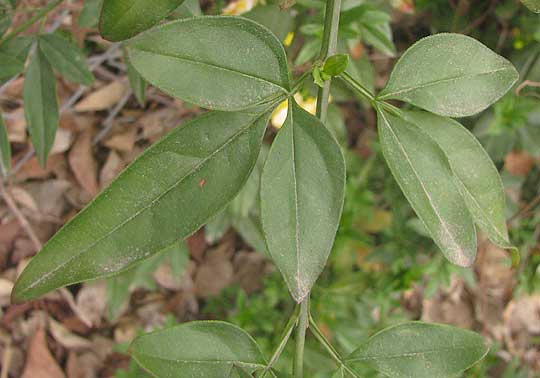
{"x":303,"y":322}
{"x":21,"y":28}
{"x":357,"y":87}
{"x":329,"y":347}
{"x":328,"y":48}
{"x":284,"y":339}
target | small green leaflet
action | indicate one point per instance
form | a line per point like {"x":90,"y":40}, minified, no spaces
{"x":221,"y":63}
{"x":41,"y":105}
{"x":168,"y":193}
{"x":209,"y":349}
{"x":451,"y":75}
{"x":13,"y":56}
{"x":339,"y":373}
{"x":122,"y":19}
{"x":424,"y":175}
{"x":533,"y":5}
{"x":479,"y":182}
{"x":138,"y":84}
{"x":66,"y":57}
{"x":420,"y":350}
{"x":5,"y":149}
{"x":302,"y":192}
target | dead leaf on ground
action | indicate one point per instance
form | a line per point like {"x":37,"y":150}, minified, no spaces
{"x":519,"y":163}
{"x":111,"y":169}
{"x":62,"y":141}
{"x":32,"y":170}
{"x":84,"y":365}
{"x":16,"y":126}
{"x":40,"y":363}
{"x":92,"y":301}
{"x":124,"y":141}
{"x":67,"y":338}
{"x":522,"y":323}
{"x":215,"y":272}
{"x":103,"y":98}
{"x":450,"y":306}
{"x":250,"y":269}
{"x":82,"y":163}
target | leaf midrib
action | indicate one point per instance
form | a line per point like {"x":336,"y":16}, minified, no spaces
{"x":409,"y":354}
{"x":386,"y":96}
{"x":150,"y":204}
{"x":212,"y":65}
{"x":209,"y":361}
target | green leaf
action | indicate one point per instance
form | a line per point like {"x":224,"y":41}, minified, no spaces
{"x":168,"y":193}
{"x":336,"y":64}
{"x":66,"y":57}
{"x":90,"y":14}
{"x":5,"y":22}
{"x":533,"y":5}
{"x":41,"y":105}
{"x":122,"y":19}
{"x":477,"y":177}
{"x":138,"y":84}
{"x":451,"y":75}
{"x":209,"y":349}
{"x":222,"y":63}
{"x":13,"y":56}
{"x":422,"y":171}
{"x":5,"y":149}
{"x":420,"y":350}
{"x":302,"y":191}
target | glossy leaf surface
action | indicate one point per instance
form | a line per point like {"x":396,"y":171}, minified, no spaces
{"x":208,"y":349}
{"x":5,"y":149}
{"x":420,"y":350}
{"x":222,"y":63}
{"x":122,"y":19}
{"x":41,"y":105}
{"x":451,"y":75}
{"x":424,"y":175}
{"x":174,"y":188}
{"x":477,"y":176}
{"x":66,"y":57}
{"x":302,"y":191}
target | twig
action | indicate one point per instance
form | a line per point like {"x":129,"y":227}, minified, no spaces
{"x":524,"y":210}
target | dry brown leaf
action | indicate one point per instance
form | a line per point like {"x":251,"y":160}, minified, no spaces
{"x":165,"y":278}
{"x":519,"y":163}
{"x":124,"y":141}
{"x":112,"y":167}
{"x":103,"y":98}
{"x":66,"y":338}
{"x":62,"y":141}
{"x":82,"y":163}
{"x":156,"y":124}
{"x":215,"y":273}
{"x":32,"y":170}
{"x":16,"y":126}
{"x":5,"y":292}
{"x":86,"y":365}
{"x":92,"y":301}
{"x":25,"y":199}
{"x":250,"y":269}
{"x":522,"y":323}
{"x":40,"y":363}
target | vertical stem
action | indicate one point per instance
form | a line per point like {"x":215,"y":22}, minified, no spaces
{"x":328,"y":48}
{"x":303,"y":322}
{"x":41,"y":13}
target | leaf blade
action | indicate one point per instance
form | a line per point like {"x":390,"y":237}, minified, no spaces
{"x":122,"y":19}
{"x":302,"y":191}
{"x":41,"y":105}
{"x":205,"y":348}
{"x":67,"y":58}
{"x":451,"y":75}
{"x":424,"y":175}
{"x":232,"y":64}
{"x":479,"y":183}
{"x":187,"y":173}
{"x":421,"y":350}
